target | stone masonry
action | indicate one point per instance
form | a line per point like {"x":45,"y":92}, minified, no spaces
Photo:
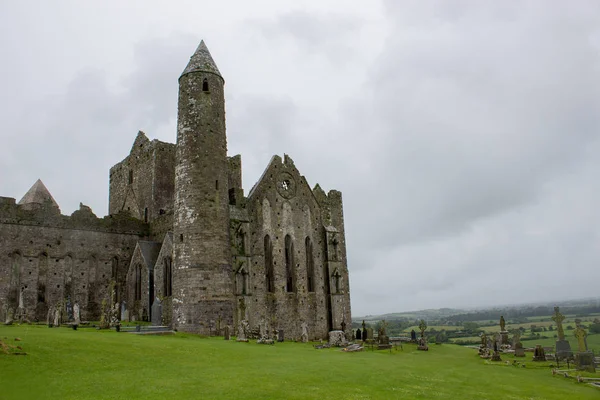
{"x":180,"y":229}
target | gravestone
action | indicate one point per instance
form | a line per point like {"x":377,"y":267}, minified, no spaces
{"x":584,"y":359}
{"x":539,"y":354}
{"x":57,"y":316}
{"x":280,"y":337}
{"x":157,"y":312}
{"x":226,"y":334}
{"x":483,"y":347}
{"x":563,"y":347}
{"x":50,"y":316}
{"x":422,"y":344}
{"x":76,"y":314}
{"x":496,"y":355}
{"x":369,"y":334}
{"x":382,"y":337}
{"x":337,"y":338}
{"x":125,"y":316}
{"x":358,"y":334}
{"x":304,"y":335}
{"x":242,"y":329}
{"x":413,"y":336}
{"x":124,"y":311}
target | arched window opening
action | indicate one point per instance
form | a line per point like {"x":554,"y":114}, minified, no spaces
{"x":138,"y":282}
{"x":270,"y":278}
{"x":167,"y":277}
{"x":205,"y":85}
{"x":146,"y":214}
{"x":310,"y":266}
{"x":289,"y":264}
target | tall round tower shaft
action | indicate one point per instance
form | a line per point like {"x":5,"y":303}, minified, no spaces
{"x":202,"y":283}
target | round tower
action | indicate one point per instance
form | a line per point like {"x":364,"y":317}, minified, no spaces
{"x":202,"y":283}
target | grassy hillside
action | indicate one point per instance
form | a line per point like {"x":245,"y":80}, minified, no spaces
{"x":88,"y":364}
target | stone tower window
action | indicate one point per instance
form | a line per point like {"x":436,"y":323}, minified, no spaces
{"x":205,"y":85}
{"x":130,"y":176}
{"x":289,"y":264}
{"x":310,"y":266}
{"x":146,"y":214}
{"x":167,"y":276}
{"x":270,"y":276}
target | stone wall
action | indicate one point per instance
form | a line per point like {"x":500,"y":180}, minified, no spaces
{"x":143,"y":183}
{"x":277,"y":212}
{"x":49,"y":258}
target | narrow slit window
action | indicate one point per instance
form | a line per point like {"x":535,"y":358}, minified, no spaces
{"x":205,"y":85}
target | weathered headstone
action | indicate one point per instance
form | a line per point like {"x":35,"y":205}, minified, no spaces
{"x":226,"y":333}
{"x":413,"y":336}
{"x":358,"y":334}
{"x":496,"y":354}
{"x":563,"y":347}
{"x":304,"y":335}
{"x":369,"y":334}
{"x":337,"y":338}
{"x":483,"y":347}
{"x":50,"y":317}
{"x":123,"y":311}
{"x":157,"y":312}
{"x":76,"y":314}
{"x":539,"y":354}
{"x":57,"y":316}
{"x":242,"y":329}
{"x":280,"y":337}
{"x":382,"y":337}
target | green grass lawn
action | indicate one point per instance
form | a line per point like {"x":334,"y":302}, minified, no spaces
{"x":88,"y":364}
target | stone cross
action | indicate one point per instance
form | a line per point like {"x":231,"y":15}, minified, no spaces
{"x":580,"y":334}
{"x":559,"y":318}
{"x":422,"y":327}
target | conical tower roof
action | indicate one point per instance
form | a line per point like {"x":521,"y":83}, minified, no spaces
{"x":202,"y":61}
{"x":38,"y":194}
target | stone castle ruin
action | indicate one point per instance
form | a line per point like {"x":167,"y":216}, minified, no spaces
{"x":181,"y":231}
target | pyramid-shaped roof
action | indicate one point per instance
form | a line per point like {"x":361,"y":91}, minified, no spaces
{"x":38,"y":194}
{"x":202,"y":61}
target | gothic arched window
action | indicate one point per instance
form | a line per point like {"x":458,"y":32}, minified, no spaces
{"x":310,"y":266}
{"x":270,"y":276}
{"x":289,"y":264}
{"x":167,"y":277}
{"x":138,"y":282}
{"x":205,"y":85}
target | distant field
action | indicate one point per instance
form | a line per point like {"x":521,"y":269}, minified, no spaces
{"x":436,"y":327}
{"x":89,"y":364}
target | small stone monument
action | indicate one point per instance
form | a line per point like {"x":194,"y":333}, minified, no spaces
{"x":76,"y":314}
{"x":226,"y":334}
{"x":369,"y":334}
{"x":517,"y":345}
{"x":496,"y":354}
{"x":483,"y":347}
{"x":422,"y":340}
{"x":280,"y":337}
{"x":124,"y":313}
{"x":242,"y":329}
{"x":337,"y":338}
{"x":584,"y":359}
{"x":539,"y":354}
{"x":503,"y":332}
{"x":364,"y":331}
{"x":157,"y":312}
{"x":563,"y":348}
{"x":57,"y":316}
{"x":358,"y":334}
{"x":304,"y":335}
{"x":382,"y":337}
{"x":50,"y":316}
{"x":413,"y":336}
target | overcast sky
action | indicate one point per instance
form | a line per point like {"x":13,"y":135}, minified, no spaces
{"x":464,"y":135}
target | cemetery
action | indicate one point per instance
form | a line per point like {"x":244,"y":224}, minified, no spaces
{"x":121,"y":359}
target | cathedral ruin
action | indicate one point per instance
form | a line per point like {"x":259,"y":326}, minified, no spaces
{"x":181,"y":231}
